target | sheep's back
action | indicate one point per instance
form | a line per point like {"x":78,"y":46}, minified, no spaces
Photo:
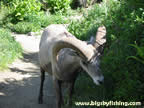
{"x":49,"y":36}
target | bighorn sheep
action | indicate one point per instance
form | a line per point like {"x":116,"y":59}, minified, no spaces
{"x":61,"y":54}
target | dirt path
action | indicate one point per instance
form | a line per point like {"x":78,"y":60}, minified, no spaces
{"x":19,"y":85}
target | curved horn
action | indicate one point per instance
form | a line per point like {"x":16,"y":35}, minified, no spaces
{"x":100,"y":36}
{"x":75,"y":44}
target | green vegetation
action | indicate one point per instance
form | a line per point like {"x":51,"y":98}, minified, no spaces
{"x":25,"y":16}
{"x":139,"y":54}
{"x":58,"y":5}
{"x":23,"y":27}
{"x":23,"y":8}
{"x":35,"y":23}
{"x":9,"y":48}
{"x":124,"y":78}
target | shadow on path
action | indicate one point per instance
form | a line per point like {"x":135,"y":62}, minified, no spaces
{"x":28,"y":64}
{"x":20,"y":87}
{"x":31,"y":57}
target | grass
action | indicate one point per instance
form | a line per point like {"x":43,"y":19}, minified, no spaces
{"x":43,"y":20}
{"x":9,"y":49}
{"x":23,"y":27}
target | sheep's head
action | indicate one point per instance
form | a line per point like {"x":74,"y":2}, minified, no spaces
{"x":93,"y":69}
{"x":92,"y":66}
{"x":88,"y":52}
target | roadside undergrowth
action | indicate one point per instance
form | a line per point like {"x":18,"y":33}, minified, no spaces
{"x":9,"y":49}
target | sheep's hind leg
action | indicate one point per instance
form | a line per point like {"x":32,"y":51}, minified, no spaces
{"x":40,"y":99}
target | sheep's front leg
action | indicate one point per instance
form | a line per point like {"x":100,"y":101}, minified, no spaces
{"x":40,"y":99}
{"x":57,"y":87}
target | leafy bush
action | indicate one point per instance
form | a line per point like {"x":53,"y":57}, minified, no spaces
{"x":140,"y":53}
{"x":126,"y":74}
{"x":25,"y":16}
{"x":22,"y":8}
{"x":7,"y":2}
{"x":124,"y":21}
{"x":58,"y":5}
{"x":9,"y":48}
{"x":4,"y":14}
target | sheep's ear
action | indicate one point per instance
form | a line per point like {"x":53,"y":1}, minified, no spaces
{"x":92,"y":40}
